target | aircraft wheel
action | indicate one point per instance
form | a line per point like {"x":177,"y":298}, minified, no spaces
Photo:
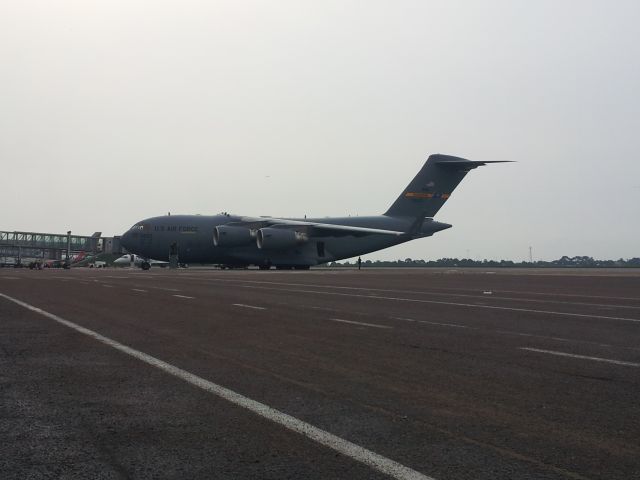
{"x":145,"y":266}
{"x":302,"y":267}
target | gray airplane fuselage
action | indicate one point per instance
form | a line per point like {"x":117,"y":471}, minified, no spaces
{"x":193,"y":236}
{"x":281,"y":242}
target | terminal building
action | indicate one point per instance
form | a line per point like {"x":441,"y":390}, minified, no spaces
{"x":18,"y":248}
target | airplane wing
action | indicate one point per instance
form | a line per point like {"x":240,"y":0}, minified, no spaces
{"x":312,"y":228}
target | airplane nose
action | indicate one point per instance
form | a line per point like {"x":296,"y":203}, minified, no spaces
{"x":125,"y":239}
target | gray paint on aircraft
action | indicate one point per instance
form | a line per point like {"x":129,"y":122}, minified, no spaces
{"x":301,"y":243}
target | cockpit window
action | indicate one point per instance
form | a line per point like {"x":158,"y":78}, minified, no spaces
{"x":137,"y":226}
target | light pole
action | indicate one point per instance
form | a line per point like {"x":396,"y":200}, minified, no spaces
{"x":67,"y":262}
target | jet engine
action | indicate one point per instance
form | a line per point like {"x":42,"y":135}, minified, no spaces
{"x":275,"y":238}
{"x":225,"y":236}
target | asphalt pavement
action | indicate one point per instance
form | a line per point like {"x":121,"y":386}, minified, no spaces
{"x":380,"y":373}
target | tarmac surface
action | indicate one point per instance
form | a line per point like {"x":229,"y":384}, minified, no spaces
{"x":379,"y":373}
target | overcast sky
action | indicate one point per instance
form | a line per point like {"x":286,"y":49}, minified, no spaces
{"x":114,"y":111}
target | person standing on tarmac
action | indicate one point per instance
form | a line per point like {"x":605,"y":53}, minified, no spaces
{"x":359,"y":263}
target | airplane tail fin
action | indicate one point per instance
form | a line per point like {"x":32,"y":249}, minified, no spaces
{"x":432,"y":186}
{"x":79,"y":257}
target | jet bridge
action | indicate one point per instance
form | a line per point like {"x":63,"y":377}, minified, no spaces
{"x":17,"y":246}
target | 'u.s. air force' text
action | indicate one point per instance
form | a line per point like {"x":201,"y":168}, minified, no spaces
{"x":175,"y":228}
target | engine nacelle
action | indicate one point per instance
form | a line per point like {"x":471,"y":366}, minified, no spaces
{"x":225,"y":236}
{"x":279,"y":238}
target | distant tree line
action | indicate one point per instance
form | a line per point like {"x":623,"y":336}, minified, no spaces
{"x":579,"y":261}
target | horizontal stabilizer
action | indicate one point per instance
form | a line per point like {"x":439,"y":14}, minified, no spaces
{"x":466,"y":165}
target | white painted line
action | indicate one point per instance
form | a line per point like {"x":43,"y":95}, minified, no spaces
{"x":375,"y":325}
{"x":105,"y":285}
{"x":340,"y":445}
{"x":248,"y":306}
{"x":182,"y":296}
{"x":11,"y":278}
{"x":139,"y":290}
{"x":158,"y":288}
{"x":454,"y":325}
{"x":437,"y":302}
{"x":517,"y":334}
{"x":446,"y":294}
{"x":555,"y":294}
{"x":441,"y":294}
{"x":583,"y":357}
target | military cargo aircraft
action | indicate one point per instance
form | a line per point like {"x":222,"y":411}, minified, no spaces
{"x":235,"y":240}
